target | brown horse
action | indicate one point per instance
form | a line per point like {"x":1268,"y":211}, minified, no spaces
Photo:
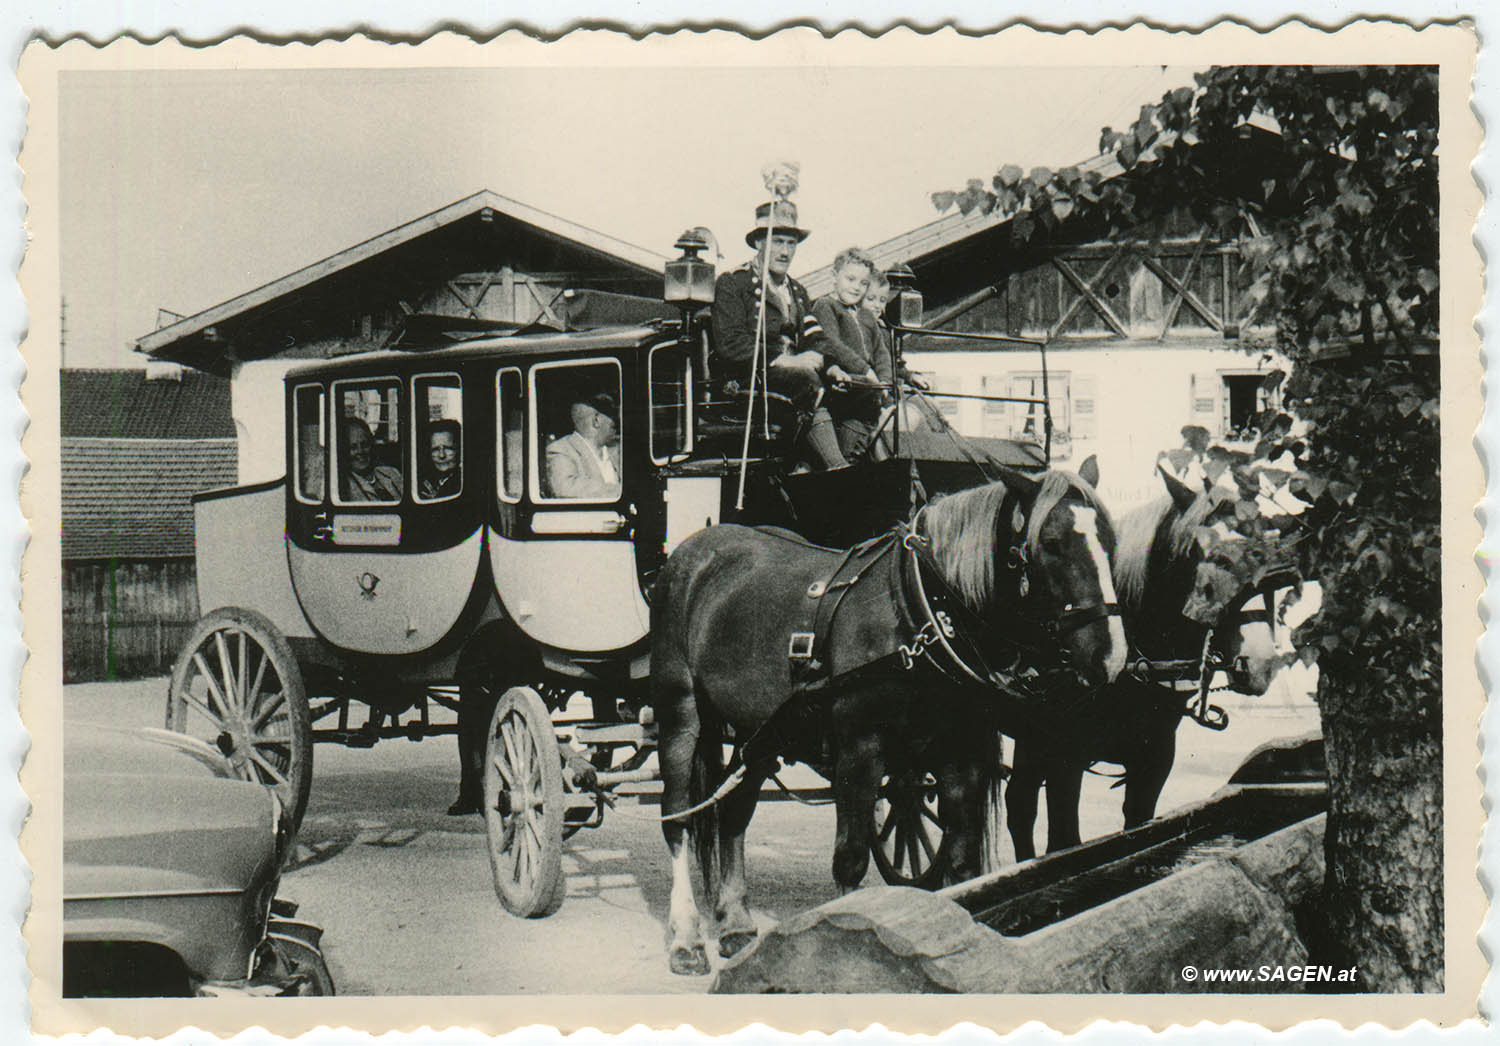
{"x":896,"y":637}
{"x":1161,"y":561}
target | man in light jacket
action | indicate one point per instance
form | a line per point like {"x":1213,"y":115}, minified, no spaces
{"x":585,"y":464}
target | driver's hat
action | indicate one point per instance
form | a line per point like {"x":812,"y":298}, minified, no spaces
{"x":781,"y":215}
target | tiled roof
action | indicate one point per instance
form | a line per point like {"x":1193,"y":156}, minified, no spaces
{"x":132,"y":497}
{"x":124,"y":404}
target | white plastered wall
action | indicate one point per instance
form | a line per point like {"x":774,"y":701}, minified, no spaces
{"x":256,"y":401}
{"x":1143,"y":398}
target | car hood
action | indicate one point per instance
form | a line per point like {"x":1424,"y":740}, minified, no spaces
{"x":150,"y":812}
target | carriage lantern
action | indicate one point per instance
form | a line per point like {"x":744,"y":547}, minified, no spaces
{"x":689,"y":280}
{"x":908,"y":298}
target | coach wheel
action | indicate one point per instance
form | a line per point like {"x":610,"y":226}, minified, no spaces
{"x":523,"y":805}
{"x":236,"y":686}
{"x":908,"y":846}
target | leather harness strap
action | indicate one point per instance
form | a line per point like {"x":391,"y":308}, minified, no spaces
{"x":821,"y":605}
{"x":928,"y":607}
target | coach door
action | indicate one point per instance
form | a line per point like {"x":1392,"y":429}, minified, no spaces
{"x":563,"y":555}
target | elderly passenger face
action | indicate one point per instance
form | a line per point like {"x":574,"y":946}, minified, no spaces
{"x":599,"y":428}
{"x":360,"y":458}
{"x":443,"y":450}
{"x":779,"y":252}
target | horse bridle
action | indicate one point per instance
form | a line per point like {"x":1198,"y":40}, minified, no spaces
{"x":1266,"y":582}
{"x":1072,"y":616}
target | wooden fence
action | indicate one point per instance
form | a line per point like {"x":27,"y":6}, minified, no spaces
{"x":124,"y":619}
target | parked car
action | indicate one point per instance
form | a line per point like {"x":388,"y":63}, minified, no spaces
{"x":170,"y":869}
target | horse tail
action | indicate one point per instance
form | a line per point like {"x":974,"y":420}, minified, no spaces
{"x":706,"y":776}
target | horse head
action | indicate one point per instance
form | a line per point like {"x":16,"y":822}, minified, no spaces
{"x":1234,"y":594}
{"x":1224,"y":584}
{"x":1059,"y":539}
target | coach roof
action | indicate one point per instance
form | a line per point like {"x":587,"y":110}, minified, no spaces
{"x":530,"y":343}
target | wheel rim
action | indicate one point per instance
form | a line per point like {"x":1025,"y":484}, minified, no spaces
{"x":519,"y":768}
{"x":909,"y":830}
{"x":234,"y":698}
{"x":523,"y":805}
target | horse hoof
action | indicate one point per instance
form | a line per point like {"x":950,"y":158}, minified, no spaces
{"x":689,"y":962}
{"x":731,"y":944}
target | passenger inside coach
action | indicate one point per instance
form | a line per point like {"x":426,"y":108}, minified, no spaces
{"x":363,"y":479}
{"x":443,"y":471}
{"x":585,"y":464}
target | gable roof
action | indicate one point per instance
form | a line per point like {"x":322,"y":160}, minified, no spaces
{"x":484,"y":206}
{"x":127,"y":404}
{"x":945,"y":232}
{"x":954,"y":240}
{"x":133,"y":498}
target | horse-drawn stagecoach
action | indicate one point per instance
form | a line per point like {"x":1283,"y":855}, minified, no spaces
{"x":494,"y":588}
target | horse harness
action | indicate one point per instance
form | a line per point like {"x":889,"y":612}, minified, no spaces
{"x":1237,"y":612}
{"x":937,"y":624}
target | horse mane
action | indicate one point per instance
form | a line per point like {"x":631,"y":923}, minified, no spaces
{"x":1136,"y":537}
{"x":962,"y":529}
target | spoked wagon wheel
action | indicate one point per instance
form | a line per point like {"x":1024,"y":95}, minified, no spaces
{"x":236,"y":685}
{"x":523,"y":805}
{"x":908,"y":846}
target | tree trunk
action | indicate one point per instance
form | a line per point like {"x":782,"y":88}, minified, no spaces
{"x":1383,"y":904}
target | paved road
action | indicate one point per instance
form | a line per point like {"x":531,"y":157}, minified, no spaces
{"x":404,"y":893}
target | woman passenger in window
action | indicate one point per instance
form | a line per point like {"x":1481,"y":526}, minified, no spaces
{"x":443,"y":471}
{"x":364,"y":480}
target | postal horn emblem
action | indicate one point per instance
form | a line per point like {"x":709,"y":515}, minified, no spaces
{"x":367,"y":583}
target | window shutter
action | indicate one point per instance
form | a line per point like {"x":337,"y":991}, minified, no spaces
{"x":1207,"y":389}
{"x":1085,"y":407}
{"x":1020,"y":388}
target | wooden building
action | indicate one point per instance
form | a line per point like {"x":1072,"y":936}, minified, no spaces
{"x":1145,"y":335}
{"x":136,"y":445}
{"x":484,"y":259}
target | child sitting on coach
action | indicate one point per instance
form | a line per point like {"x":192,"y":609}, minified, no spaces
{"x":853,"y":344}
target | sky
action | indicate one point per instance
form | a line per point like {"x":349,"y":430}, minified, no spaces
{"x":181,"y":189}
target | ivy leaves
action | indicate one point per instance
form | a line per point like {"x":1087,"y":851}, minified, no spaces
{"x":1326,"y":179}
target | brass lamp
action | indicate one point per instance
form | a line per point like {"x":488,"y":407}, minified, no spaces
{"x":689,"y":279}
{"x":907,"y":299}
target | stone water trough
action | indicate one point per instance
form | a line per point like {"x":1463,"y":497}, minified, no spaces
{"x":1215,"y":885}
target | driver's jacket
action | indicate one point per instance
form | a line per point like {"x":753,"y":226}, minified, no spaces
{"x":736,"y":303}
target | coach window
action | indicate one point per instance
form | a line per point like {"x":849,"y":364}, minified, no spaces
{"x":510,"y":413}
{"x":310,"y":453}
{"x":438,"y":425}
{"x":577,"y":429}
{"x":671,"y":404}
{"x":367,"y":443}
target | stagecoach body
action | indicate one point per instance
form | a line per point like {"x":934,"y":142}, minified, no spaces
{"x":399,"y":583}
